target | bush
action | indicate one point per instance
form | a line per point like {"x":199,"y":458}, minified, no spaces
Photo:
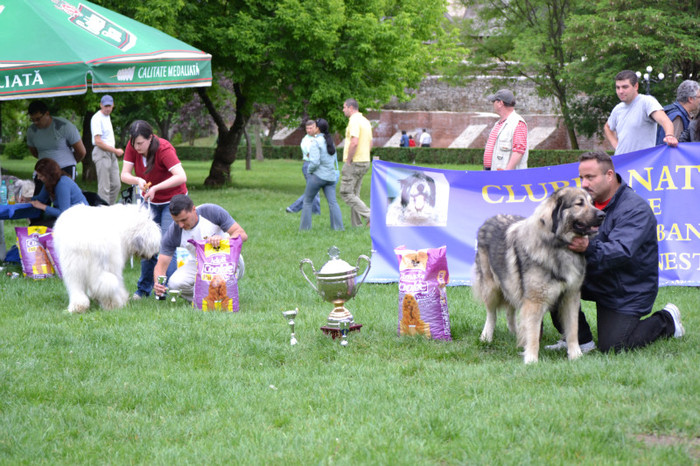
{"x":16,"y":150}
{"x":428,"y":155}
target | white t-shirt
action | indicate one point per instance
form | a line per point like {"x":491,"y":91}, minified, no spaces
{"x":101,"y":125}
{"x":635,"y":128}
{"x":213,"y":221}
{"x":425,"y":138}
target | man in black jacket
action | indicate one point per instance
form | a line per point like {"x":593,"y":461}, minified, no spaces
{"x":622,"y":274}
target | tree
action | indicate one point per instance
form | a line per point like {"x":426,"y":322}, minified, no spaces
{"x":613,"y":35}
{"x":525,"y":38}
{"x":303,"y":55}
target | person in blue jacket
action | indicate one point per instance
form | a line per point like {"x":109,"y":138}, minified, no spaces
{"x":682,"y":110}
{"x":59,"y":192}
{"x":622,"y":271}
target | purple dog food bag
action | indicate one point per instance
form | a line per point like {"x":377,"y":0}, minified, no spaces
{"x":46,"y":241}
{"x":423,"y":308}
{"x":35,"y":260}
{"x":216,"y":285}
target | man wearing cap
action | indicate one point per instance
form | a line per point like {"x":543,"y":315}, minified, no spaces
{"x":105,"y":153}
{"x":506,"y":147}
{"x":56,"y":138}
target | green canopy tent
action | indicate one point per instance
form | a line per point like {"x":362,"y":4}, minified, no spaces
{"x":48,"y":48}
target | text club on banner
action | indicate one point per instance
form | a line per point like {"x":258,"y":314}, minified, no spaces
{"x":422,"y":207}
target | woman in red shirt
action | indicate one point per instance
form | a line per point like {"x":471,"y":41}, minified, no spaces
{"x":151,"y":163}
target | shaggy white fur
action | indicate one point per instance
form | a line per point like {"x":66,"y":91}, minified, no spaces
{"x":93,"y":244}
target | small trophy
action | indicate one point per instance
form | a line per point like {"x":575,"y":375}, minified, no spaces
{"x":290,"y":315}
{"x":344,"y":326}
{"x":174,"y":294}
{"x":161,"y":281}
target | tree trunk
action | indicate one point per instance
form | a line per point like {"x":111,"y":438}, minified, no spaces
{"x":248,"y":148}
{"x":258,"y":144}
{"x":227,"y":145}
{"x":89,"y":172}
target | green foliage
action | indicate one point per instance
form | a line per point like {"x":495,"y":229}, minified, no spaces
{"x":16,"y":150}
{"x":613,"y":35}
{"x":421,"y":156}
{"x":155,"y":383}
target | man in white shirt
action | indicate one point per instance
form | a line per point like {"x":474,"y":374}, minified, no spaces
{"x":632,"y":123}
{"x":105,"y":153}
{"x":425,"y":139}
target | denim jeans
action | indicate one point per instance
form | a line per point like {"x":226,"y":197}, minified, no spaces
{"x":313,"y":185}
{"x":161,"y":215}
{"x":298,"y":204}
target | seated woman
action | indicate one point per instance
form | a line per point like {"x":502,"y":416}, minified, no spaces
{"x":59,"y":190}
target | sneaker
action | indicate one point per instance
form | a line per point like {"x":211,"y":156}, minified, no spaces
{"x":561,"y":344}
{"x":289,"y":210}
{"x":588,"y":347}
{"x":676,"y":314}
{"x":136,"y":297}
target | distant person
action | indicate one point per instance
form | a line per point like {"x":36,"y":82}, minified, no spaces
{"x":356,"y":158}
{"x":58,"y":192}
{"x":411,"y":141}
{"x":404,"y":139}
{"x":152,"y":165}
{"x":322,"y":162}
{"x":55,"y":138}
{"x":207,"y":222}
{"x":105,"y":152}
{"x":506,"y":147}
{"x":425,"y":139}
{"x":632,"y":123}
{"x":306,"y":143}
{"x":682,"y":111}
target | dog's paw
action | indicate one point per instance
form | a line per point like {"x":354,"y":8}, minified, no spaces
{"x":529,"y":358}
{"x":574,"y":353}
{"x":485,"y":337}
{"x":75,"y":308}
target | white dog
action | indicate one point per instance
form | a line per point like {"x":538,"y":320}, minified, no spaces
{"x":93,"y":243}
{"x":416,"y":204}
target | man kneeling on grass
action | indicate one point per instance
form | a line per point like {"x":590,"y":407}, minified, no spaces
{"x":208,"y":221}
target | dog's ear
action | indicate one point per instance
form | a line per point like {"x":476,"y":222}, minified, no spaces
{"x":556,"y":211}
{"x":405,"y":188}
{"x":431,"y":184}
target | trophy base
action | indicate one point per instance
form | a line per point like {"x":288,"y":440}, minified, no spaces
{"x":335,"y":331}
{"x":338,"y":315}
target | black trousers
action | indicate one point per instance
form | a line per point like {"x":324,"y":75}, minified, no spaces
{"x":618,"y":331}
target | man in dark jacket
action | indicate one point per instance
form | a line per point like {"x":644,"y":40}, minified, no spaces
{"x":622,"y":274}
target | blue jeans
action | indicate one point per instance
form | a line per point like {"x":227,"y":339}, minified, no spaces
{"x":298,"y":204}
{"x":313,"y":185}
{"x":161,"y":215}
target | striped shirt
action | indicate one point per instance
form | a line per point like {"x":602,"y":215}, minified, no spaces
{"x":519,"y":140}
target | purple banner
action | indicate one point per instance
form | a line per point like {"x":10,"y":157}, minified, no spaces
{"x":422,"y":207}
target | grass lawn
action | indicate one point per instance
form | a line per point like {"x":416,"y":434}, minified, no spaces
{"x":158,"y":383}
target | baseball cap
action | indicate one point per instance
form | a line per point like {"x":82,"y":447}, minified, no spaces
{"x":504,"y":95}
{"x":107,"y":100}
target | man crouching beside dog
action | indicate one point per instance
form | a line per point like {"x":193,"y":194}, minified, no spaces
{"x":622,"y":273}
{"x":207,"y":221}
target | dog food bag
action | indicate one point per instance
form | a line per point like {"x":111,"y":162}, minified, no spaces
{"x":423,"y":276}
{"x":216,"y":285}
{"x":35,"y":260}
{"x":46,"y":241}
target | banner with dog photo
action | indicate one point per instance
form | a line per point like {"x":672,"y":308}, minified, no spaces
{"x":422,"y":207}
